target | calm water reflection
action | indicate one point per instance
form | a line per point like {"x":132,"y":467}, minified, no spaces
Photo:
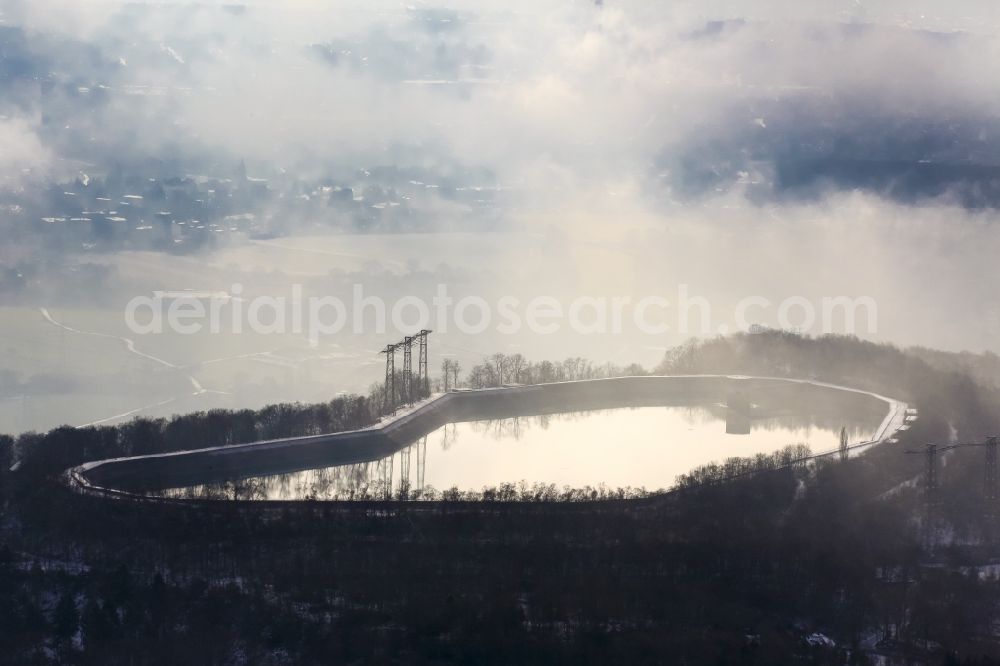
{"x":640,"y":447}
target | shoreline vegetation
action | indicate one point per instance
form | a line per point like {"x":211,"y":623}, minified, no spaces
{"x":730,"y":469}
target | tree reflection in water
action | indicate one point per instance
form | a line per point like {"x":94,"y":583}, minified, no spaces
{"x":557,"y":453}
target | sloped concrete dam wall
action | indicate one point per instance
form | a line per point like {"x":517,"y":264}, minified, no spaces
{"x":820,"y":404}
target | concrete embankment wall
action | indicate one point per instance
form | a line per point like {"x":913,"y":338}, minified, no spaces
{"x":770,"y":396}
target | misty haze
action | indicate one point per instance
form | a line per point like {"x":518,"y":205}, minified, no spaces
{"x":565,"y":331}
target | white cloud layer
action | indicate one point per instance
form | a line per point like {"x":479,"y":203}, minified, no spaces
{"x":633,"y":120}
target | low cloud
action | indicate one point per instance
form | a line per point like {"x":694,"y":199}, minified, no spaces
{"x":23,"y":155}
{"x":645,"y":127}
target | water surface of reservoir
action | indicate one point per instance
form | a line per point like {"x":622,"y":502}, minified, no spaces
{"x":641,"y":447}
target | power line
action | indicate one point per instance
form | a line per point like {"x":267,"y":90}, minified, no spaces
{"x":932,"y":483}
{"x":413,"y":388}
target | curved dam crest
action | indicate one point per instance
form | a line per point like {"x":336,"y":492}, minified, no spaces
{"x":770,"y":396}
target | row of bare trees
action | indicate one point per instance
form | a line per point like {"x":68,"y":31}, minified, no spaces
{"x":504,"y":369}
{"x":449,"y":373}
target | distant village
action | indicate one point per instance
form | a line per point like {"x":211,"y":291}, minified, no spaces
{"x":128,"y":209}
